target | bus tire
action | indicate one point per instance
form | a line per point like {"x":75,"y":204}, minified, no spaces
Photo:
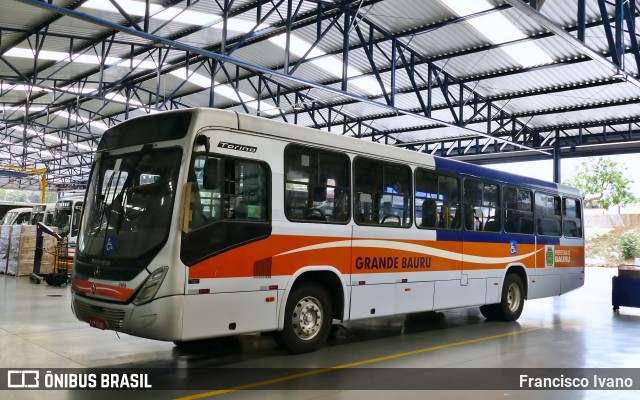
{"x":511,"y":303}
{"x":307,"y":320}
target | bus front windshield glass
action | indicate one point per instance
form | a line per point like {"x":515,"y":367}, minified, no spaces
{"x":62,"y":221}
{"x":129,"y":203}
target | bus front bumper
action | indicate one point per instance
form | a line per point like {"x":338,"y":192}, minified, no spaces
{"x":160,"y":319}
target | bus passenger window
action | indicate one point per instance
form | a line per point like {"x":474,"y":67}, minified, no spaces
{"x":437,"y":200}
{"x":571,"y":218}
{"x":482,"y":205}
{"x":382,"y":193}
{"x":547,"y":214}
{"x":316,"y":185}
{"x":518,"y":206}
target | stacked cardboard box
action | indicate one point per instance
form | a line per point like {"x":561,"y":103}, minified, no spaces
{"x":5,"y":232}
{"x":22,"y":247}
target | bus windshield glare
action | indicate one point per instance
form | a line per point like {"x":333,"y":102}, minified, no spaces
{"x":129,"y":203}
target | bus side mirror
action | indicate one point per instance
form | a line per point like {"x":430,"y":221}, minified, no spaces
{"x":185,"y":208}
{"x":211,"y":177}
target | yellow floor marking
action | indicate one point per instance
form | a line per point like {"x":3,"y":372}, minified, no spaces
{"x":350,"y":365}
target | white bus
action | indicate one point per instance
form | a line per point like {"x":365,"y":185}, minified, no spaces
{"x":6,"y":206}
{"x":68,"y":211}
{"x":204,"y":223}
{"x":44,"y":213}
{"x":17,"y":216}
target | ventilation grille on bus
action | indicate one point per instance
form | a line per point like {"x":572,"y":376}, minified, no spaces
{"x":113,"y":318}
{"x":262,"y":268}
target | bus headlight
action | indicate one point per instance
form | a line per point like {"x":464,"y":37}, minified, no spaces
{"x":151,"y":286}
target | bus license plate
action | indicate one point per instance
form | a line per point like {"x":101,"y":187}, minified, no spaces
{"x":97,"y":323}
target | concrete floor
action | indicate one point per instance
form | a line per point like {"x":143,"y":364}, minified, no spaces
{"x":576,"y":330}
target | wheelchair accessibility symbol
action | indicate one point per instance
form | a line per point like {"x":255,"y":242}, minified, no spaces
{"x":111,"y":244}
{"x":513,"y":248}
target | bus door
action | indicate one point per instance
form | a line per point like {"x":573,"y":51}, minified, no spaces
{"x":383,"y":198}
{"x":483,"y":245}
{"x":548,"y":223}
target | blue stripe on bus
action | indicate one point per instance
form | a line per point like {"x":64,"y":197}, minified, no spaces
{"x":488,"y":173}
{"x":492,"y":237}
{"x":548,"y":240}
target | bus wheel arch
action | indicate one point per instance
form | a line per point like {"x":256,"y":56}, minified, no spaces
{"x":513,"y":294}
{"x":312,"y":301}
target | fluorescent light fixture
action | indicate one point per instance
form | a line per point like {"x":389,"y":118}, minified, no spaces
{"x":205,"y":82}
{"x":120,"y":98}
{"x":59,"y":56}
{"x":132,"y":7}
{"x":331,"y":64}
{"x":94,"y":124}
{"x":30,"y":54}
{"x":266,"y":107}
{"x":22,"y":108}
{"x":193,"y":77}
{"x":20,"y":148}
{"x":226,"y":91}
{"x":22,"y":88}
{"x":138,"y":8}
{"x":82,"y":90}
{"x":174,"y":14}
{"x":499,"y":29}
{"x":54,"y":138}
{"x":136,"y":63}
{"x":90,"y":59}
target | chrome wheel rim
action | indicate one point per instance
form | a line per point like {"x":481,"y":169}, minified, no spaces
{"x":307,"y":318}
{"x":514,"y":297}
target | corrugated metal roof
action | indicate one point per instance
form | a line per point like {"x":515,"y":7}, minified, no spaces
{"x":584,"y":91}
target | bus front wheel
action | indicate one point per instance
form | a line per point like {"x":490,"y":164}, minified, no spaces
{"x":308,"y":319}
{"x":511,"y":304}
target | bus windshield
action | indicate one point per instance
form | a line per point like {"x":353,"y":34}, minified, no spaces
{"x":129,"y":203}
{"x":62,"y":220}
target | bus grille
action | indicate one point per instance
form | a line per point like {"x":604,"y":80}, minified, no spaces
{"x":113,"y":318}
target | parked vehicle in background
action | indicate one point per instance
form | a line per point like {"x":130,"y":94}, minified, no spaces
{"x":17,"y":216}
{"x":68,"y":211}
{"x":43,"y":213}
{"x":5,"y":206}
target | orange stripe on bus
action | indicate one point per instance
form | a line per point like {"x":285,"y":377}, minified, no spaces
{"x":101,"y":289}
{"x":288,"y":253}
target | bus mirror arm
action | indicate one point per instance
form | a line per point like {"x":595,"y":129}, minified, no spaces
{"x":185,"y":207}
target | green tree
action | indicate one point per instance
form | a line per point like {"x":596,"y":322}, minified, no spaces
{"x":604,"y":183}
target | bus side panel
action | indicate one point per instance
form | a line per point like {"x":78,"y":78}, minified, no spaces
{"x":450,"y":294}
{"x":393,"y":273}
{"x":547,"y":280}
{"x":223,"y":314}
{"x":569,"y":258}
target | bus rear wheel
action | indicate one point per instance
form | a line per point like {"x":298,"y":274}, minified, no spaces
{"x":308,"y":319}
{"x":511,"y":304}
